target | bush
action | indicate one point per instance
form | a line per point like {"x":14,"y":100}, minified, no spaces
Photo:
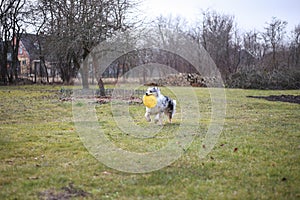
{"x":253,"y":78}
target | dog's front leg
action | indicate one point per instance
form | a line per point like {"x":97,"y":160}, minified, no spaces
{"x":147,"y":116}
{"x":158,"y":118}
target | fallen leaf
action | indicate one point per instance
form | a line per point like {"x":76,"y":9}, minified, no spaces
{"x":106,"y":173}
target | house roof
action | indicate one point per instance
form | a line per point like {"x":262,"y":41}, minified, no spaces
{"x":30,"y":43}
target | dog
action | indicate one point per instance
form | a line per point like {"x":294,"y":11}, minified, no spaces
{"x":165,"y":105}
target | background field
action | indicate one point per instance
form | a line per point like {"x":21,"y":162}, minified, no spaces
{"x":42,"y":157}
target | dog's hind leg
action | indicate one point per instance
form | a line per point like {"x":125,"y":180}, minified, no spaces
{"x":169,"y":113}
{"x":170,"y":117}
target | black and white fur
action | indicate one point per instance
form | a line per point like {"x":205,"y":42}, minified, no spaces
{"x":165,"y":105}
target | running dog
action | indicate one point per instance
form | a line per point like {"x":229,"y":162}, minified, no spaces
{"x":165,"y":105}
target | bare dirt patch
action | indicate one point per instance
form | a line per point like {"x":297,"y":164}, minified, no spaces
{"x":282,"y":98}
{"x":66,"y":193}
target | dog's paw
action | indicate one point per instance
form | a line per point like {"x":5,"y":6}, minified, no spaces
{"x":147,"y":116}
{"x":158,"y":122}
{"x":148,"y":119}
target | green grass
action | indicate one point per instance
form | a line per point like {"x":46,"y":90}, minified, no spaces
{"x":256,"y":157}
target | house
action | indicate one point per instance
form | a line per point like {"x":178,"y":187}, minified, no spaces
{"x":30,"y":54}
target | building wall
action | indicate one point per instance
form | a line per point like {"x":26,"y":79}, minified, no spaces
{"x":24,"y":59}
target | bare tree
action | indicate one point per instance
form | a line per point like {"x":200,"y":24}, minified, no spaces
{"x":75,"y":27}
{"x":10,"y":33}
{"x":219,"y":37}
{"x":166,"y":34}
{"x":5,"y":7}
{"x":294,"y":49}
{"x":273,"y":37}
{"x":252,"y":43}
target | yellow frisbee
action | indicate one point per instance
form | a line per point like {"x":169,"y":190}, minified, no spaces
{"x":149,"y":101}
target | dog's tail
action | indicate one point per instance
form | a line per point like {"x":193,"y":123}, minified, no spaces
{"x":174,"y":108}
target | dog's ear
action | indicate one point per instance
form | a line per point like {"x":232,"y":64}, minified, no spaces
{"x":157,"y":91}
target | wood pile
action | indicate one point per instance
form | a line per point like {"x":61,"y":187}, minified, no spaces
{"x":182,"y":79}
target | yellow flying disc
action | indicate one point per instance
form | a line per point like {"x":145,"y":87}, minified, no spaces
{"x":149,"y":101}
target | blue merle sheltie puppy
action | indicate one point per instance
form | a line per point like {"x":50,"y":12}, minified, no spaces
{"x":165,"y":105}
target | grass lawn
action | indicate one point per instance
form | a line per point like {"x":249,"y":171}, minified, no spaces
{"x":42,"y":156}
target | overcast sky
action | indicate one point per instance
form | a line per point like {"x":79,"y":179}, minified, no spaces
{"x":249,"y":14}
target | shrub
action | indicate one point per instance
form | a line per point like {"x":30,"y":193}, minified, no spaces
{"x":253,"y":78}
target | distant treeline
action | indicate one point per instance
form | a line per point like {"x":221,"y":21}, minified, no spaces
{"x":67,"y":31}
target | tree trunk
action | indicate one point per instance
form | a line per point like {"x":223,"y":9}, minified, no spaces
{"x":84,"y":71}
{"x":101,"y":87}
{"x":43,"y":63}
{"x":35,"y":71}
{"x":4,"y":65}
{"x":14,"y":65}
